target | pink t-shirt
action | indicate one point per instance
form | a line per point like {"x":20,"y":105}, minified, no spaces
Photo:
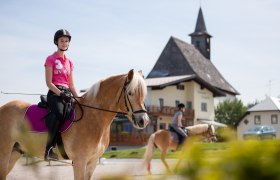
{"x":61,"y":69}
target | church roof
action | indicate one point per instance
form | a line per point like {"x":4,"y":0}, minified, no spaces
{"x":200,"y":28}
{"x":180,"y":58}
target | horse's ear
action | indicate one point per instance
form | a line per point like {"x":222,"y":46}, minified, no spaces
{"x":130,"y":75}
{"x":141,"y":73}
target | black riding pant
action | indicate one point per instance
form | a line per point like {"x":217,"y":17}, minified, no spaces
{"x":55,"y":118}
{"x":180,"y":131}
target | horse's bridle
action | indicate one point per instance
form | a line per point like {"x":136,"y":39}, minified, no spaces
{"x":128,"y":105}
{"x":210,"y":131}
{"x":126,"y":98}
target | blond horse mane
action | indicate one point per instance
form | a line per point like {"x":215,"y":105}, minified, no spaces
{"x":92,"y":91}
{"x":197,"y":129}
{"x":136,"y":82}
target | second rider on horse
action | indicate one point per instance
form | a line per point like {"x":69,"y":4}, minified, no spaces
{"x":177,"y":123}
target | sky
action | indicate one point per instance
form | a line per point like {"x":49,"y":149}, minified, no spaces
{"x":111,"y":37}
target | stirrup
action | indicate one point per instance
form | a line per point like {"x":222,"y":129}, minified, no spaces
{"x":50,"y":155}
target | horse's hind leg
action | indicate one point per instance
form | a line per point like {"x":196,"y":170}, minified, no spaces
{"x":15,"y":155}
{"x":4,"y":166}
{"x":5,"y":155}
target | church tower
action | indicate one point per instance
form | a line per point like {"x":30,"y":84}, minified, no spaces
{"x":200,"y":38}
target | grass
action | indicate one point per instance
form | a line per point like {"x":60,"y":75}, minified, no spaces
{"x":211,"y":148}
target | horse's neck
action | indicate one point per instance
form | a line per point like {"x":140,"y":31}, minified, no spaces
{"x":107,"y":98}
{"x":197,"y":129}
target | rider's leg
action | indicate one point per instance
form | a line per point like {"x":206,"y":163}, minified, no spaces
{"x":53,"y":121}
{"x":181,"y":132}
{"x":53,"y":126}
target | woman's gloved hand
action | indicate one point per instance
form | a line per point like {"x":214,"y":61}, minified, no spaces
{"x":65,"y":96}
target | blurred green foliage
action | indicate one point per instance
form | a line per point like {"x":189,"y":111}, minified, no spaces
{"x":230,"y":112}
{"x":246,"y":160}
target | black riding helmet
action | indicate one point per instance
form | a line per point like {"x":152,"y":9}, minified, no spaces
{"x":61,"y":33}
{"x":181,"y":105}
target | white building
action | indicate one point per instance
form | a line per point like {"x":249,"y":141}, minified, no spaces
{"x":266,"y":112}
{"x":184,"y":73}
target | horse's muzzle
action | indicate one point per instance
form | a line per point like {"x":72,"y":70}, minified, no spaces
{"x":140,"y":120}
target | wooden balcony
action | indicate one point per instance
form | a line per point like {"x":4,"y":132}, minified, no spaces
{"x":168,"y":111}
{"x":128,"y":139}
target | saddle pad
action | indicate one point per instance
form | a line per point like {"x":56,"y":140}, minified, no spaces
{"x":35,"y":116}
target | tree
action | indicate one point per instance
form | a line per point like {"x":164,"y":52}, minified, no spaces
{"x":249,"y":105}
{"x":230,"y":112}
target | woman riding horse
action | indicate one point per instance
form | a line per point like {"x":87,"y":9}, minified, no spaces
{"x":87,"y":139}
{"x":176,"y":124}
{"x":163,"y":140}
{"x":59,"y":79}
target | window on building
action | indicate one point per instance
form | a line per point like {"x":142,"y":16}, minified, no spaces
{"x":180,"y":87}
{"x":274,"y":119}
{"x":204,"y":107}
{"x":162,"y":126}
{"x":246,"y":121}
{"x":177,"y":103}
{"x":189,"y":105}
{"x":161,"y":102}
{"x":128,"y":127}
{"x":257,"y":119}
{"x":197,"y":44}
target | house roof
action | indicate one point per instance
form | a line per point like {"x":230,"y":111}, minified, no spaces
{"x":165,"y":81}
{"x":180,"y":58}
{"x":269,"y":104}
{"x":162,"y":82}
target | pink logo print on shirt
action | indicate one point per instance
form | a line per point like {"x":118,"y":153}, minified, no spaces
{"x":58,"y":64}
{"x":59,"y":68}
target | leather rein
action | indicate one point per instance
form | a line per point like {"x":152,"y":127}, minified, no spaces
{"x":127,"y":105}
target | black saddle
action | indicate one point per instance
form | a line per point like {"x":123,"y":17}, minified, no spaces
{"x":44,"y":102}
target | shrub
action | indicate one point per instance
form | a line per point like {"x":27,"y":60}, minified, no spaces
{"x":255,"y":160}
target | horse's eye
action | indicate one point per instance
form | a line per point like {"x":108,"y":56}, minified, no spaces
{"x":130,"y":93}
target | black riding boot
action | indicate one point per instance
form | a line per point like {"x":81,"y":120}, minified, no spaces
{"x":53,"y":127}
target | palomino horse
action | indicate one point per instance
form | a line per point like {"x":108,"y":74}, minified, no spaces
{"x":164,"y":140}
{"x":88,"y":138}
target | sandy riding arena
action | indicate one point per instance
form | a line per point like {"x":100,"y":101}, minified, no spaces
{"x":38,"y":169}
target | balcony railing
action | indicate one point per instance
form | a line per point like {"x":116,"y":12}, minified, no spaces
{"x":128,"y":139}
{"x":168,"y":111}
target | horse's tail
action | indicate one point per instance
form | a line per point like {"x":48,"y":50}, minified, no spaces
{"x":149,"y":152}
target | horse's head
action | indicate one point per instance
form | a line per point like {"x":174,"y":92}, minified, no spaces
{"x":134,"y":92}
{"x":211,"y":134}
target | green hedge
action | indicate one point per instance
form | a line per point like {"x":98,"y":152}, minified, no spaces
{"x":246,"y":160}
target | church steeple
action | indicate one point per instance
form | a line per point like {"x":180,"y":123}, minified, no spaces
{"x":200,"y":38}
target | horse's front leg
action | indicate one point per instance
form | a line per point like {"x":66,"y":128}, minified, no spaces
{"x":163,"y":155}
{"x":91,"y":165}
{"x":79,"y":168}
